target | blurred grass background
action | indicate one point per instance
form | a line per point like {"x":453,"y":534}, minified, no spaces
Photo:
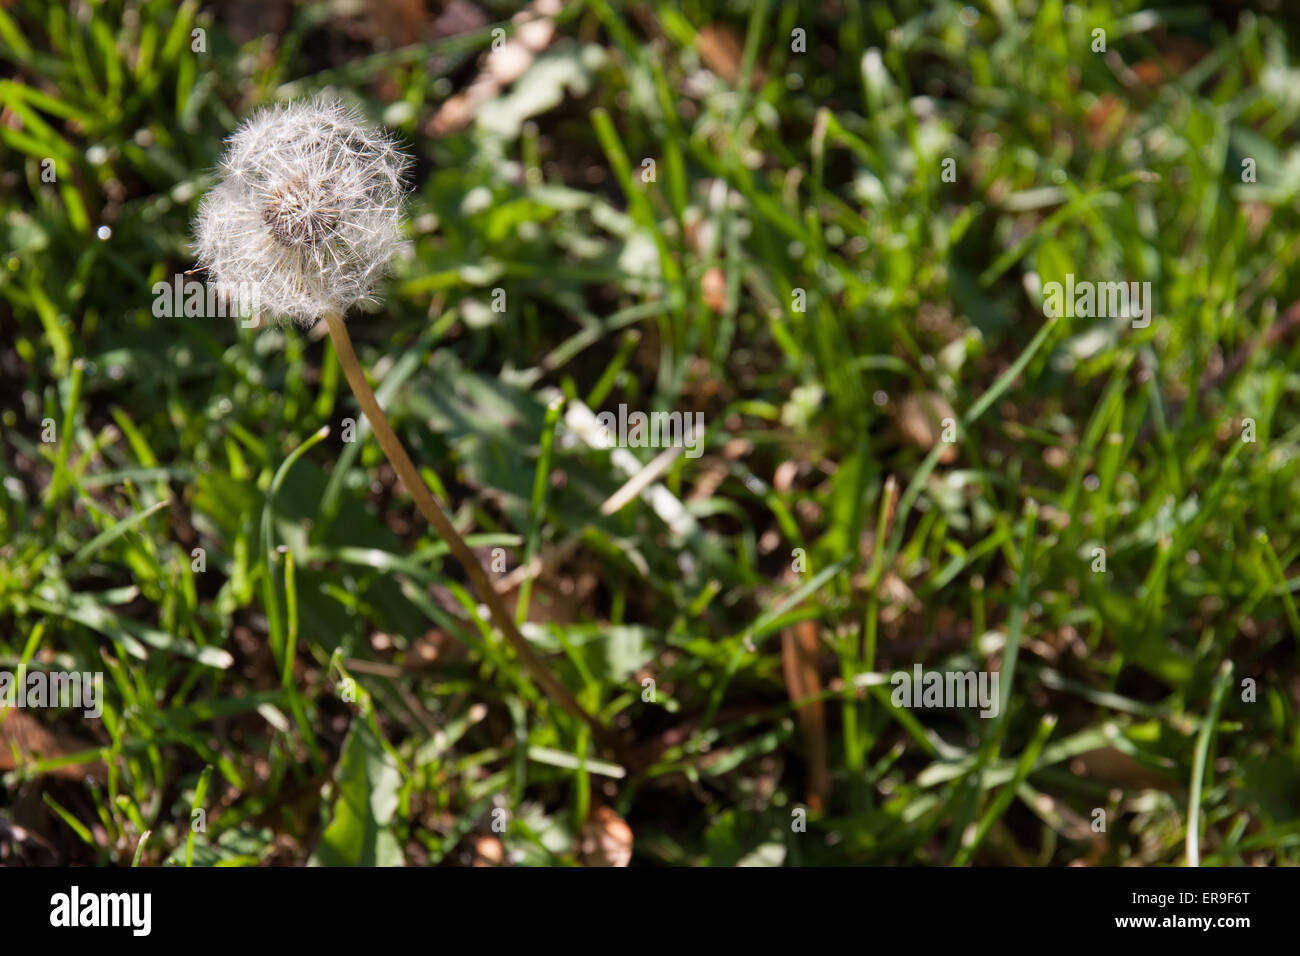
{"x":655,"y":188}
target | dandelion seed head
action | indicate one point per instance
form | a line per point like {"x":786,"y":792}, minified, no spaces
{"x":308,"y":210}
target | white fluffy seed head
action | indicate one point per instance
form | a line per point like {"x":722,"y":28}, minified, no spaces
{"x":308,"y":212}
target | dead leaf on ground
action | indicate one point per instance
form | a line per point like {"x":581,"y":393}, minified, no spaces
{"x":1177,"y":56}
{"x":606,"y":839}
{"x":1106,"y":117}
{"x":1113,"y":766}
{"x":723,"y":53}
{"x":713,"y":289}
{"x":800,"y":650}
{"x":920,"y":418}
{"x":504,"y":64}
{"x":488,"y":851}
{"x":33,"y":741}
{"x":395,"y":23}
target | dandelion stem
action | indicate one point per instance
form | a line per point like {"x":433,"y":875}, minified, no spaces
{"x":432,"y":511}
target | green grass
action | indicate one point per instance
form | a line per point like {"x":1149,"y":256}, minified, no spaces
{"x":318,"y":678}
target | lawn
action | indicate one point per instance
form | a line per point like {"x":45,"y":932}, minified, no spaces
{"x":988,"y":315}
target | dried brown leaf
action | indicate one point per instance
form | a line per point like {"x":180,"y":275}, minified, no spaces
{"x":606,"y":839}
{"x":800,"y":650}
{"x":920,"y":419}
{"x":33,"y":741}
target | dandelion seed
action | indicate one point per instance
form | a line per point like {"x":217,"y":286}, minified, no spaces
{"x":308,"y":211}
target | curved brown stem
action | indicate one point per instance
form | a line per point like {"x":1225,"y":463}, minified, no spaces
{"x":432,"y":511}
